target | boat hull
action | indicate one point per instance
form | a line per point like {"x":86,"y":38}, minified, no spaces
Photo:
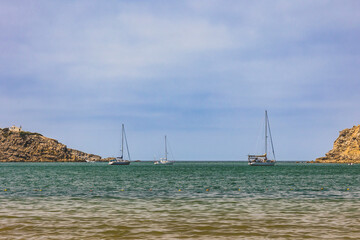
{"x":262,"y":163}
{"x":168,"y":163}
{"x":119,"y":163}
{"x":163,"y":163}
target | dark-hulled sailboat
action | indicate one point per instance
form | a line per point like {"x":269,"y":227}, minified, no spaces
{"x":262,"y":160}
{"x":120,"y":160}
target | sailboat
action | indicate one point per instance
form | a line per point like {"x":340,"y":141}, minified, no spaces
{"x":120,"y":160}
{"x":164,"y":160}
{"x":262,"y":160}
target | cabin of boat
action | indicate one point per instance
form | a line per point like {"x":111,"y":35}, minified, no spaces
{"x":164,"y":162}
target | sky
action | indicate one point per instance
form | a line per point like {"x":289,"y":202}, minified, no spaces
{"x":201,"y":72}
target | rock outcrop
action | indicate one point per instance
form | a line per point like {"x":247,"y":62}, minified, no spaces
{"x":33,"y":147}
{"x":346,"y":148}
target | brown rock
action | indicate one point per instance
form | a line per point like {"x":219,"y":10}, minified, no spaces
{"x":33,"y":147}
{"x":346,"y":148}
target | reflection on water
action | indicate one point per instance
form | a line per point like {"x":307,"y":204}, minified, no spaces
{"x":78,"y":201}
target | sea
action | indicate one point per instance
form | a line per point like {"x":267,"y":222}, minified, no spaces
{"x":188,"y":200}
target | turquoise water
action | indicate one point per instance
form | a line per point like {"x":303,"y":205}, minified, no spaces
{"x":189,"y":200}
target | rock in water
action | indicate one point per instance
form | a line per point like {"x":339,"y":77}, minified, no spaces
{"x":33,"y":147}
{"x":346,"y":148}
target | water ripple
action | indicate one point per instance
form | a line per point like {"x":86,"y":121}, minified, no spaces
{"x":215,"y":201}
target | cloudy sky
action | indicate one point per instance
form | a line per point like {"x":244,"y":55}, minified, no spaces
{"x":200,"y":71}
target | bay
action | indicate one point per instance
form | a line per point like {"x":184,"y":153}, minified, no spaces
{"x":189,"y":200}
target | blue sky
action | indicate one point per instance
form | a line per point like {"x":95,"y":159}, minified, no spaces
{"x":202,"y":72}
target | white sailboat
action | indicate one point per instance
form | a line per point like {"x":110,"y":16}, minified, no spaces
{"x":120,"y":160}
{"x":262,"y":160}
{"x":164,"y":161}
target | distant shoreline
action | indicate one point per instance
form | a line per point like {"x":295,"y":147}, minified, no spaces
{"x":187,"y":161}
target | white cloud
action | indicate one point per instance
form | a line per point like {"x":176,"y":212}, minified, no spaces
{"x":124,"y":44}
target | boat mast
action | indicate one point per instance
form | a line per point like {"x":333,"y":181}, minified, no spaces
{"x":122,"y":141}
{"x":165,"y":149}
{"x":266,"y":121}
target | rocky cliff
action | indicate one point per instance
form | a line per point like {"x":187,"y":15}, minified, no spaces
{"x":33,"y":147}
{"x":346,"y":148}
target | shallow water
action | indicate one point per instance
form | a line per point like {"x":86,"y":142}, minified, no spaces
{"x":189,"y":200}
